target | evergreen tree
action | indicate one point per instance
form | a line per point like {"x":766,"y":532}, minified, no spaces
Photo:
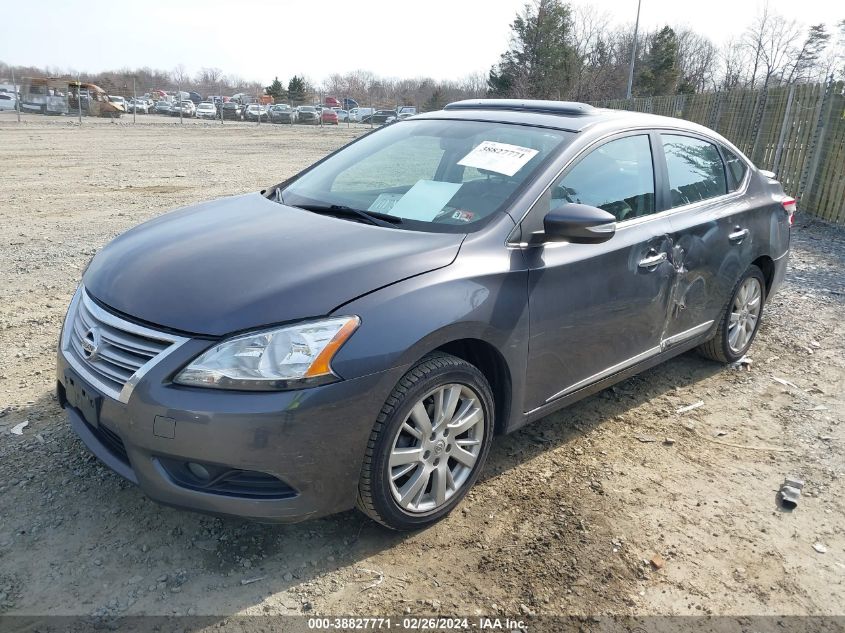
{"x":277,"y":91}
{"x":660,"y":74}
{"x":436,"y":101}
{"x":541,"y":60}
{"x":296,"y":90}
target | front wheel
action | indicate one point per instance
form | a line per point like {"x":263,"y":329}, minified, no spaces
{"x":740,"y":320}
{"x":428,"y":445}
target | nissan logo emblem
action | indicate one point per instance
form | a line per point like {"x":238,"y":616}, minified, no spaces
{"x":91,"y":342}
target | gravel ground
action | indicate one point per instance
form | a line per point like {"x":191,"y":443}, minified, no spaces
{"x":617,"y":505}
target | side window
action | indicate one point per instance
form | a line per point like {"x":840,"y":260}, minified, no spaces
{"x":736,"y":168}
{"x":696,"y":171}
{"x":617,"y":177}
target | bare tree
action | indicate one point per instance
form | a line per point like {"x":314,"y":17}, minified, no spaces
{"x":589,"y":29}
{"x":180,"y":77}
{"x":808,"y":62}
{"x":697,"y":59}
{"x":770,"y":42}
{"x":734,"y":58}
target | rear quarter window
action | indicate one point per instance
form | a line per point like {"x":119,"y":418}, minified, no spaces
{"x":736,"y":169}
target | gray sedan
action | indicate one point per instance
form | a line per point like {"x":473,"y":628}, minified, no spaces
{"x":358,"y":334}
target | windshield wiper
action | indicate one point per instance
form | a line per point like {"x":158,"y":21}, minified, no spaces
{"x":372,"y":217}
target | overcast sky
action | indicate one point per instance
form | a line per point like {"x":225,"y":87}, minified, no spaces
{"x":258,"y":39}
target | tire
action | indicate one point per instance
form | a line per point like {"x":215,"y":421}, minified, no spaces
{"x":721,"y":348}
{"x":380,"y":483}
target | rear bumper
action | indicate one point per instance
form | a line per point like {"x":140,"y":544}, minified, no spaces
{"x":312,"y":441}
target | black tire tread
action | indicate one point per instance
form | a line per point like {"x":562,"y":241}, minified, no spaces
{"x":418,"y":373}
{"x":714,"y":349}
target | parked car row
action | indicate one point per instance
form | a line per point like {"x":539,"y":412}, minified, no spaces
{"x":238,"y":108}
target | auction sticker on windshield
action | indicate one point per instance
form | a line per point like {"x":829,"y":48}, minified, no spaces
{"x":499,"y":157}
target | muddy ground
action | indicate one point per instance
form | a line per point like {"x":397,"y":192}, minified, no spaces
{"x":569,"y":512}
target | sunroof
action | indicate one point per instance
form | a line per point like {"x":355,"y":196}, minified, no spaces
{"x":568,"y":108}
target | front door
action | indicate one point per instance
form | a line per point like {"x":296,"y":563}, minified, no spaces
{"x":596,"y":309}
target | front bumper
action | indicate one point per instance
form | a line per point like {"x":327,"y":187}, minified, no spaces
{"x":312,"y":440}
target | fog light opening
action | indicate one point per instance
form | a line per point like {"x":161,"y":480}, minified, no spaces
{"x":199,"y":471}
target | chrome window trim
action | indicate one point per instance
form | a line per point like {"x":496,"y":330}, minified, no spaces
{"x":739,"y":191}
{"x":116,"y":322}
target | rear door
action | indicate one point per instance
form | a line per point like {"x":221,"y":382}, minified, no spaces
{"x":596,"y":309}
{"x":713,"y":241}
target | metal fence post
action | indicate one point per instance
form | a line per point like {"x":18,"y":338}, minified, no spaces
{"x":134,"y":102}
{"x":17,"y":96}
{"x":716,"y":113}
{"x":783,"y":128}
{"x":758,"y":122}
{"x":79,"y":97}
{"x":809,"y":173}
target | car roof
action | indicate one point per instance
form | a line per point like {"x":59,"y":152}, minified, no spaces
{"x":563,"y":115}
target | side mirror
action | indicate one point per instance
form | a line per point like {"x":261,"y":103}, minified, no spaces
{"x":579,"y":224}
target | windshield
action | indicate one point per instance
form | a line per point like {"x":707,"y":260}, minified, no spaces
{"x":443,"y":176}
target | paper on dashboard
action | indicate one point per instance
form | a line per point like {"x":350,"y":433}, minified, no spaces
{"x":425,"y":200}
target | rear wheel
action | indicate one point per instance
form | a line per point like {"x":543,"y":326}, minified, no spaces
{"x":428,"y":445}
{"x":740,"y":321}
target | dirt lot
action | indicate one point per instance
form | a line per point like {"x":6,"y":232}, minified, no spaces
{"x":568,"y":514}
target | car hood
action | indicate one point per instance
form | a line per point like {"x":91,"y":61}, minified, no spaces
{"x":245,"y":262}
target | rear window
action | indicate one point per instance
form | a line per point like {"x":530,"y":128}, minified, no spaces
{"x":696,"y":171}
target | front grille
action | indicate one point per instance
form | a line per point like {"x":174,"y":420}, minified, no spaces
{"x":109,"y":351}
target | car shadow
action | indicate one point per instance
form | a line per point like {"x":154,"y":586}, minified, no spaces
{"x":166,"y":552}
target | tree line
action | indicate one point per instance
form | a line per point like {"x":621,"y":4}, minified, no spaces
{"x":562,"y":51}
{"x":556,"y":50}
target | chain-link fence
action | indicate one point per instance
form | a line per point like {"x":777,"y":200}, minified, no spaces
{"x":796,"y":131}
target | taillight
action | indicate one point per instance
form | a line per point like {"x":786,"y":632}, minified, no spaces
{"x":790,"y":206}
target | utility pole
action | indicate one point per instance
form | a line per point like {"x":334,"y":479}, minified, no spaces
{"x":633,"y":52}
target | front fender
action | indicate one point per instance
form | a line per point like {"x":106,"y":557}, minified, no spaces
{"x":405,"y":321}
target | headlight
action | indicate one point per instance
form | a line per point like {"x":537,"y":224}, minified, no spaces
{"x":271,"y":360}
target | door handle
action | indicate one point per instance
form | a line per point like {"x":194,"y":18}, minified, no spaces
{"x":653,"y":260}
{"x":738,"y":235}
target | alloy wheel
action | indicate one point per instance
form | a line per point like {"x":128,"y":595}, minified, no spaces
{"x":745,"y":312}
{"x":436,"y":448}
